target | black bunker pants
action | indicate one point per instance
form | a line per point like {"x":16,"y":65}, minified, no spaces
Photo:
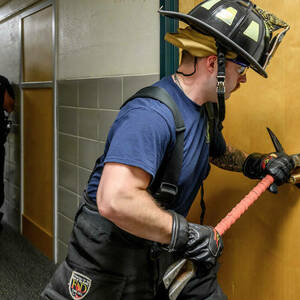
{"x":107,"y":263}
{"x":2,"y":156}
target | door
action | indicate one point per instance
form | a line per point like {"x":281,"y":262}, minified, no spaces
{"x":261,"y":254}
{"x":38,"y":116}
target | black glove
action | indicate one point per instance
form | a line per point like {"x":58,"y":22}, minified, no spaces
{"x":277,"y":164}
{"x":201,"y":244}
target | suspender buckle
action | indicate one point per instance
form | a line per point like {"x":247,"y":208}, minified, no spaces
{"x":169,"y":188}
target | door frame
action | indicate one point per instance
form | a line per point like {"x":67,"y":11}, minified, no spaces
{"x":45,"y":84}
{"x":169,"y":54}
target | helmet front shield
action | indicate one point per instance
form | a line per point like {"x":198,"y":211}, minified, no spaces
{"x":274,"y":44}
{"x":273,"y":24}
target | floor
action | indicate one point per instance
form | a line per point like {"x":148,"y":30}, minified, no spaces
{"x":24,"y":271}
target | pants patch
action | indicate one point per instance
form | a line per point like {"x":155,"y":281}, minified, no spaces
{"x":79,"y":285}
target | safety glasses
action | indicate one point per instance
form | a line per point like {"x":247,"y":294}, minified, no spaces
{"x":243,"y":66}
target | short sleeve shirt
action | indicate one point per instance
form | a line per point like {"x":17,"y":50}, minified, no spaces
{"x":144,"y":131}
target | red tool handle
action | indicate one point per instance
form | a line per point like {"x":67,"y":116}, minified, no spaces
{"x":243,"y":205}
{"x":173,"y":271}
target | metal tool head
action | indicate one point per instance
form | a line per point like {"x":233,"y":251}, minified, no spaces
{"x":295,"y":176}
{"x":276,"y":143}
{"x":172,"y":272}
{"x":183,"y":277}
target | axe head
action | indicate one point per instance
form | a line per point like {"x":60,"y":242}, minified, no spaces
{"x":295,"y":176}
{"x":275,"y":141}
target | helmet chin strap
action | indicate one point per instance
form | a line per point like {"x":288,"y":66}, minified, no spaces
{"x":190,"y":74}
{"x":221,"y":84}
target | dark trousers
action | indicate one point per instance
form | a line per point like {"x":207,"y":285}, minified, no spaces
{"x":105,"y":262}
{"x":2,"y":155}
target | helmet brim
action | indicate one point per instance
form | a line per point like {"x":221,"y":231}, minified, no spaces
{"x":220,"y":37}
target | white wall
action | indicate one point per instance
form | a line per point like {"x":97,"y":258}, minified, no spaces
{"x":99,"y":38}
{"x":10,"y":49}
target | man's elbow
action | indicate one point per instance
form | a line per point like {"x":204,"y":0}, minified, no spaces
{"x":105,"y":207}
{"x":109,"y":205}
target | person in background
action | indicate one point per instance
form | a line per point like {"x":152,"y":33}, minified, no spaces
{"x":7,"y":103}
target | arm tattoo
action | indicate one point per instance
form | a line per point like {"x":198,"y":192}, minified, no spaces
{"x":231,"y":160}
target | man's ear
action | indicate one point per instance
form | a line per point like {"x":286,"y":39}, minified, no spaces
{"x":211,"y":63}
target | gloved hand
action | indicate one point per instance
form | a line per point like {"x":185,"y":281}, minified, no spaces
{"x":277,"y":164}
{"x":198,"y":243}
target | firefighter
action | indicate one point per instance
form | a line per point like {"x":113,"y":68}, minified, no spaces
{"x":125,"y":234}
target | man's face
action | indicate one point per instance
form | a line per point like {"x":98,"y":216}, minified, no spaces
{"x":233,"y":78}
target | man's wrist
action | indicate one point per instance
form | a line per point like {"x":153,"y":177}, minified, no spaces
{"x":179,"y":236}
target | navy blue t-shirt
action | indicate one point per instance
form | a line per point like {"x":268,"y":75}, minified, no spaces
{"x":145,"y":129}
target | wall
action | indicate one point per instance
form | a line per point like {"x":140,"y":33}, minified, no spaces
{"x":108,"y":38}
{"x":261,"y":255}
{"x":107,"y":51}
{"x":87,"y":108}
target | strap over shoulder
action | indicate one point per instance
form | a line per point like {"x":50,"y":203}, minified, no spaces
{"x":164,"y":186}
{"x":164,"y":97}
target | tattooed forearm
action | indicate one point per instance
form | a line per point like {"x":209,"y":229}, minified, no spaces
{"x":231,"y":160}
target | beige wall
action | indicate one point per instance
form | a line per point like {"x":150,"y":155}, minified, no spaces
{"x":10,"y":49}
{"x":261,"y":254}
{"x":107,"y":38}
{"x":118,"y":39}
{"x":95,"y":39}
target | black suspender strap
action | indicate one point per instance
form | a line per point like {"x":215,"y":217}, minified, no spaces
{"x":221,"y":84}
{"x":163,"y":96}
{"x":164,"y":187}
{"x":202,"y":205}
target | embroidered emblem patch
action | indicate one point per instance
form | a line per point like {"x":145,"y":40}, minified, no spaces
{"x":79,"y":285}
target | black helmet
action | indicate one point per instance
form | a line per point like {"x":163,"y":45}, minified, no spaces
{"x":239,"y":26}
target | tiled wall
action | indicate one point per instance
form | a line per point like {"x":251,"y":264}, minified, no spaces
{"x":12,"y":204}
{"x":86,"y":110}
